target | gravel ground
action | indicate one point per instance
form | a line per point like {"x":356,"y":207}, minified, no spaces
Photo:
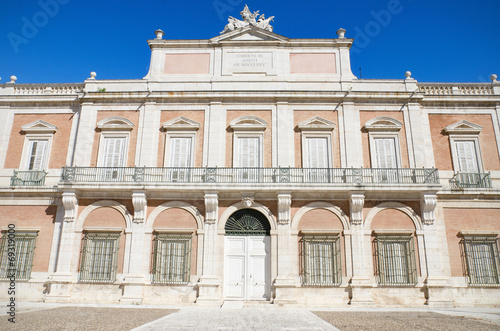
{"x":78,"y":318}
{"x":400,"y":321}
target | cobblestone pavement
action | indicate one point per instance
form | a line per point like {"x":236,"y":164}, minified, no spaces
{"x":43,"y":316}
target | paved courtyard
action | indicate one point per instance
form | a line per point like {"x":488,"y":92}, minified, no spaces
{"x":42,"y":316}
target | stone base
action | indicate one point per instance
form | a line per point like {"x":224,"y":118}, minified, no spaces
{"x":361,"y":292}
{"x":209,"y":291}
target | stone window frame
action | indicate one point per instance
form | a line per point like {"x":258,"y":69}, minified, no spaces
{"x":37,"y":130}
{"x":180,"y":127}
{"x":464,"y":131}
{"x":383,"y":127}
{"x":113,"y":127}
{"x":248,"y":127}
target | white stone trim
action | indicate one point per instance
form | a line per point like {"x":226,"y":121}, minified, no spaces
{"x":117,"y":123}
{"x":392,"y":205}
{"x":463,"y":127}
{"x":247,"y":134}
{"x":181,"y":123}
{"x":174,"y":204}
{"x":476,"y":233}
{"x":39,"y":126}
{"x":248,"y":123}
{"x":320,"y":205}
{"x":383,"y":123}
{"x":316,"y":124}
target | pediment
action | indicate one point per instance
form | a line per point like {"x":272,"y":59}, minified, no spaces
{"x":181,"y":123}
{"x":249,"y":33}
{"x":39,"y":126}
{"x":316,"y":123}
{"x":115,"y":123}
{"x":248,"y":123}
{"x":464,"y":127}
{"x":383,"y":123}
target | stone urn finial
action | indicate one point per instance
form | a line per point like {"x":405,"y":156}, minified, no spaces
{"x":408,"y":75}
{"x":12,"y":79}
{"x":493,"y":78}
{"x":341,"y":33}
{"x":92,"y":75}
{"x":159,"y":34}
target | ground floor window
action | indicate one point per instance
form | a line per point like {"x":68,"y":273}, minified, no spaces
{"x":171,"y":259}
{"x":321,"y":260}
{"x":99,"y":257}
{"x":395,"y":260}
{"x":16,"y":254}
{"x":482,"y":260}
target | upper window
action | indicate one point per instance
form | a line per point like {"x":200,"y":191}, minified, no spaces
{"x":248,"y":147}
{"x":465,"y":149}
{"x":16,"y":254}
{"x":481,"y":257}
{"x":37,"y":145}
{"x":180,"y":142}
{"x":395,"y":259}
{"x":113,"y":145}
{"x":385,"y":151}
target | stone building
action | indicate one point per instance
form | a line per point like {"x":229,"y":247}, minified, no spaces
{"x":251,"y":166}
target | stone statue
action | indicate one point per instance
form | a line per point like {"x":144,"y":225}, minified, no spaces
{"x":249,"y":18}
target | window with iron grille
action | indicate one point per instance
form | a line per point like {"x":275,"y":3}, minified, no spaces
{"x":99,"y":257}
{"x":171,"y":259}
{"x":395,"y":256}
{"x":321,"y":260}
{"x":21,"y":247}
{"x":482,"y":259}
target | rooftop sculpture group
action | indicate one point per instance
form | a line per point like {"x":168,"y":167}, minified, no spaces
{"x":249,"y":18}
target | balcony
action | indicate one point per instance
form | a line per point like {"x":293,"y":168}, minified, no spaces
{"x":284,"y":176}
{"x":28,"y":178}
{"x":463,"y":180}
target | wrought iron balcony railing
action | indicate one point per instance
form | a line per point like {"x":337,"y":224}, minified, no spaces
{"x":470,"y":180}
{"x":28,"y":178}
{"x":250,"y":175}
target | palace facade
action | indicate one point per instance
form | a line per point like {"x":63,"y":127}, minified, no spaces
{"x":251,"y":167}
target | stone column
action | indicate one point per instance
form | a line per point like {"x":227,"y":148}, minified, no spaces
{"x":60,"y":281}
{"x":361,"y":281}
{"x":437,"y":283}
{"x":134,"y":277}
{"x":209,"y":289}
{"x":284,"y":283}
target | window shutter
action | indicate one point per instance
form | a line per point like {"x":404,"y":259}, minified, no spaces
{"x":467,"y":158}
{"x":114,"y":151}
{"x":386,"y":153}
{"x":318,"y":152}
{"x":249,"y":152}
{"x":180,"y":152}
{"x":38,"y":154}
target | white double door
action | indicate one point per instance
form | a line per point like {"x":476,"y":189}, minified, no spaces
{"x":247,"y":268}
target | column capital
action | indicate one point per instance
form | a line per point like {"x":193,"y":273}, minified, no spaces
{"x":356,"y":204}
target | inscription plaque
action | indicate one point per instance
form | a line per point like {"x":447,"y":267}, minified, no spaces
{"x":248,"y":62}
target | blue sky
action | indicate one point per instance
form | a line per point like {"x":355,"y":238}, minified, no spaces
{"x":59,"y":41}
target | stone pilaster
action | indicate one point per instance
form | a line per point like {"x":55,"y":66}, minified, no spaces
{"x":284,"y":282}
{"x":352,"y":134}
{"x":209,"y":284}
{"x":361,"y":281}
{"x":134,"y":277}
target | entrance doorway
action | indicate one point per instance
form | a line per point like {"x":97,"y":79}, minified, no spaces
{"x":247,"y":256}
